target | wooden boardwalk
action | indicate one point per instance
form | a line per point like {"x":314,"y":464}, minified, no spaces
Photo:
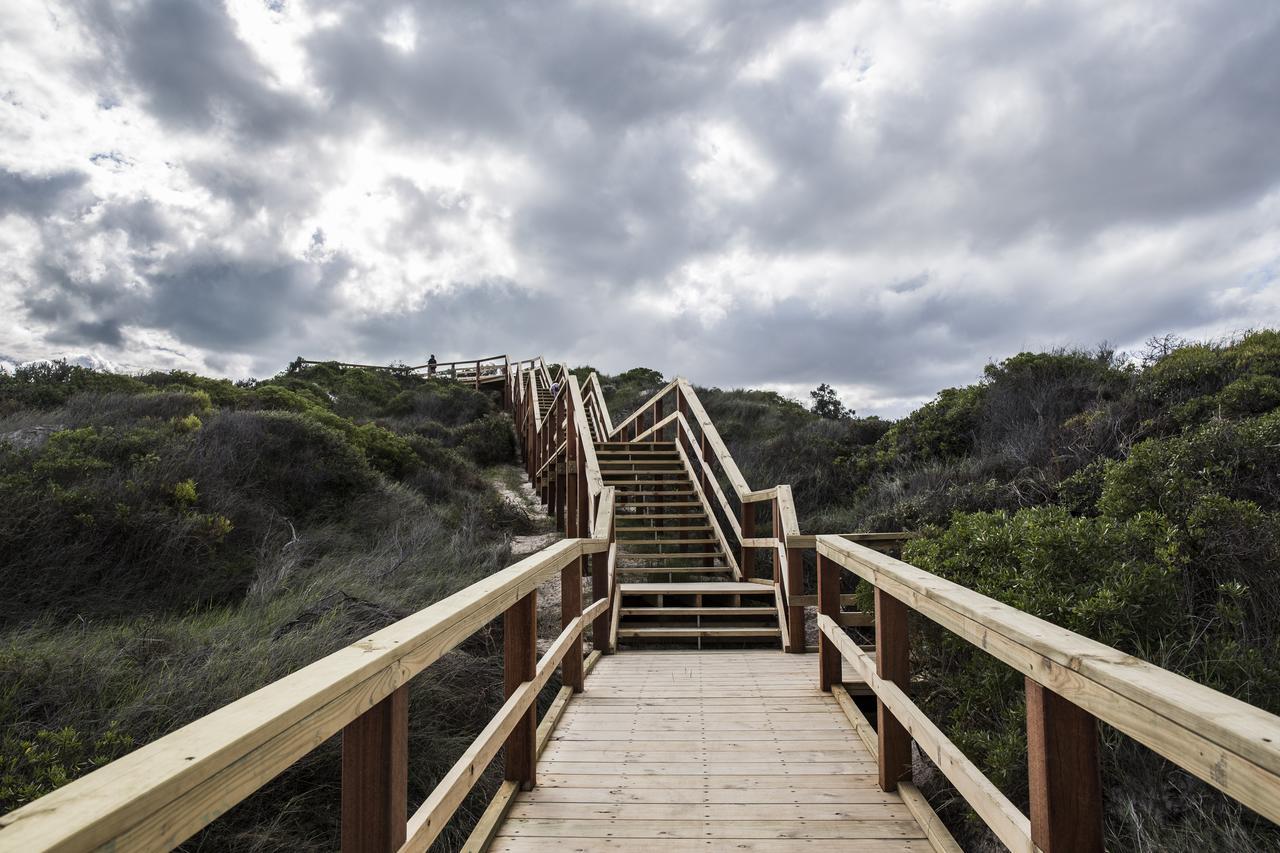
{"x":708,"y":750}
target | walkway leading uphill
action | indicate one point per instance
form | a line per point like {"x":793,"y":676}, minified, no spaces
{"x":697,"y":720}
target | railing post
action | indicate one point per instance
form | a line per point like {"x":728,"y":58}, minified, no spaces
{"x":1063,"y":776}
{"x":600,"y":589}
{"x":572,"y":460}
{"x":375,"y":777}
{"x":520,"y":664}
{"x":795,"y":615}
{"x":829,"y":664}
{"x":747,"y":555}
{"x":893,"y":663}
{"x":571,"y":608}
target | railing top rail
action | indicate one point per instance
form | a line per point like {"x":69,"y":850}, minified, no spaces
{"x":1228,"y":743}
{"x":468,"y":362}
{"x":163,"y":792}
{"x":595,"y":481}
{"x":718,"y":448}
{"x":640,"y":410}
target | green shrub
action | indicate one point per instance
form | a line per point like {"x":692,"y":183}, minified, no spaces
{"x":31,"y":767}
{"x":1114,"y":581}
{"x":1236,"y":459}
{"x":489,"y":440}
{"x":47,"y":384}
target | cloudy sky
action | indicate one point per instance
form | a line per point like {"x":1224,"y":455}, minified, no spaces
{"x":880,"y":195}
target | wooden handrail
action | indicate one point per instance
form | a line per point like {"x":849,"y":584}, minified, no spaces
{"x":1229,"y":744}
{"x":159,"y":795}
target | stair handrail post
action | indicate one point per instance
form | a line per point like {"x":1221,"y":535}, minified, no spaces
{"x":829,"y":661}
{"x":375,"y":777}
{"x":1064,"y":777}
{"x":520,"y":664}
{"x":893,"y":663}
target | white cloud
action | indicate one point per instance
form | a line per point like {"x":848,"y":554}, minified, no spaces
{"x":879,"y":196}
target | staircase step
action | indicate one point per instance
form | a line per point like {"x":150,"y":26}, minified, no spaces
{"x":645,"y":516}
{"x":707,"y":588}
{"x":625,"y":496}
{"x":662,"y":528}
{"x":673,"y":570}
{"x":651,"y":540}
{"x":699,"y":611}
{"x":670,"y":555}
{"x":697,"y":631}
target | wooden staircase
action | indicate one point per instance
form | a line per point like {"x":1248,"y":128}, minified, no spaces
{"x":663,"y":532}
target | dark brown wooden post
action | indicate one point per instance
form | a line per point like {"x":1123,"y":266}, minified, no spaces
{"x":830,"y":667}
{"x":795,"y":615}
{"x":747,"y":559}
{"x":477,"y":376}
{"x":375,"y":777}
{"x":893,"y":663}
{"x":571,"y":463}
{"x":599,"y":590}
{"x":1063,"y":775}
{"x":706,"y":463}
{"x":520,"y":664}
{"x":571,"y":608}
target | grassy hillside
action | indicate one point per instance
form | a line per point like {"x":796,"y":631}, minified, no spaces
{"x":171,"y":543}
{"x":1137,"y":503}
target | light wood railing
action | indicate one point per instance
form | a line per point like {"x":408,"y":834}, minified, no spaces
{"x":1072,"y":683}
{"x":160,"y":795}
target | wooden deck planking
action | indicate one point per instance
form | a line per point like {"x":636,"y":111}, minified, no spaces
{"x":706,"y":751}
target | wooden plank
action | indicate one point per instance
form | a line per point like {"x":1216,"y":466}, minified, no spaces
{"x":160,"y":794}
{"x":624,"y":780}
{"x":661,"y":812}
{"x":707,"y":588}
{"x":666,"y":768}
{"x":1231,"y":745}
{"x":514,"y":844}
{"x":507,"y":725}
{"x":520,"y":656}
{"x":650,"y":796}
{"x":766,"y":829}
{"x":892,"y":664}
{"x":829,"y":668}
{"x":1064,"y":778}
{"x":939,"y":836}
{"x":1009,"y":825}
{"x":375,"y":777}
{"x":495,"y":813}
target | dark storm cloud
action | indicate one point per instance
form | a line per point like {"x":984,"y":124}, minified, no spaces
{"x":219,"y":302}
{"x":192,"y":69}
{"x":37,"y":195}
{"x":928,"y":199}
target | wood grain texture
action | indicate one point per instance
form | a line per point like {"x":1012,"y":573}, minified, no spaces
{"x":375,"y":777}
{"x":1231,"y":745}
{"x":1063,"y":774}
{"x":612,"y":773}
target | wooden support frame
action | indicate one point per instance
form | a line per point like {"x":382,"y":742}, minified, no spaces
{"x":795,"y":585}
{"x":520,"y":657}
{"x":829,"y":667}
{"x":893,"y":663}
{"x":1063,"y":774}
{"x":375,"y":777}
{"x":571,"y":674}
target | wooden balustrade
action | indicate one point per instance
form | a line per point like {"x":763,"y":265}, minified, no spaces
{"x":159,"y":795}
{"x":1072,"y":684}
